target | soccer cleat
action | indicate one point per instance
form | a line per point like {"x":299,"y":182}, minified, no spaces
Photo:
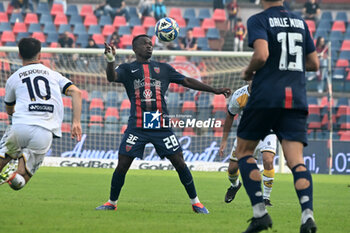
{"x":259,"y":224}
{"x":10,"y":168}
{"x":231,"y":193}
{"x":199,"y":208}
{"x":267,"y":202}
{"x":107,"y":206}
{"x":308,"y":227}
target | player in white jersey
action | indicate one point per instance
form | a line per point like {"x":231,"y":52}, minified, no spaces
{"x":267,"y":147}
{"x":33,"y":99}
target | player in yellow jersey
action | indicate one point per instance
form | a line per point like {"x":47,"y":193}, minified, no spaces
{"x":267,"y":147}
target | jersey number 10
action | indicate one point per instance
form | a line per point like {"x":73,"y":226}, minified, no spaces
{"x":37,"y":88}
{"x":293,"y":50}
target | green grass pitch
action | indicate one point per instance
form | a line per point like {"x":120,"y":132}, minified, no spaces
{"x":63,"y":200}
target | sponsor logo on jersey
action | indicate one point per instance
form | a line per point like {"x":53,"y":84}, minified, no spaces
{"x":147,"y":93}
{"x":128,"y":147}
{"x":141,"y":83}
{"x":151,"y":120}
{"x":40,"y":108}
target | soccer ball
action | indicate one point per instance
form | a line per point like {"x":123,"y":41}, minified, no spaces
{"x":166,"y":29}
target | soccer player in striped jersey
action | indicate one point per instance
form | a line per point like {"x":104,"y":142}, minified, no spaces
{"x":33,"y":99}
{"x":283,"y":51}
{"x":146,"y":82}
{"x":266,"y":147}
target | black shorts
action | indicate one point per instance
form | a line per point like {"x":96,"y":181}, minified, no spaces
{"x":288,"y":124}
{"x":134,"y":141}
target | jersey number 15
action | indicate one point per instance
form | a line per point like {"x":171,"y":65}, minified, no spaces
{"x":293,"y":50}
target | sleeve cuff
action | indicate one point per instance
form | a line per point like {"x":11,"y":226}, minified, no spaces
{"x":10,"y":103}
{"x":65,"y":88}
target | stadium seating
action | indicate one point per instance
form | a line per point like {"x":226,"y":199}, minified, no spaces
{"x":90,"y":20}
{"x":3,"y":17}
{"x":8,"y":36}
{"x":22,"y":35}
{"x":31,"y":18}
{"x":49,"y":28}
{"x":189,"y":13}
{"x":198,"y":32}
{"x":19,"y":27}
{"x":52,"y":37}
{"x":193,"y":22}
{"x":86,"y":9}
{"x":126,"y":40}
{"x":72,"y":10}
{"x":134,"y":21}
{"x":79,"y":29}
{"x":137,"y":30}
{"x":213,"y":33}
{"x":119,"y":21}
{"x":45,"y":18}
{"x":108,"y":30}
{"x":149,"y":22}
{"x":339,"y":26}
{"x":56,"y":9}
{"x":208,"y":23}
{"x":5,"y":26}
{"x":124,"y":30}
{"x":60,"y":19}
{"x":2,"y":8}
{"x":105,"y":20}
{"x":75,"y":19}
{"x":219,"y":15}
{"x":342,"y":16}
{"x":327,"y":15}
{"x":175,"y":13}
{"x":98,"y":38}
{"x":94,"y":29}
{"x":204,"y":13}
{"x":63,"y":28}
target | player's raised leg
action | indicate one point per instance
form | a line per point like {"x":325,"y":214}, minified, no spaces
{"x":187,"y":180}
{"x":293,"y":152}
{"x":252,"y":183}
{"x":268,"y":176}
{"x":117,"y":182}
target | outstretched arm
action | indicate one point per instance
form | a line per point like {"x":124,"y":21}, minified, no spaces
{"x":197,"y":85}
{"x":76,"y":102}
{"x":227,"y":128}
{"x":110,"y":53}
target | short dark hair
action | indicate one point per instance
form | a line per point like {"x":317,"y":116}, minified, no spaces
{"x":29,"y":48}
{"x":137,"y":37}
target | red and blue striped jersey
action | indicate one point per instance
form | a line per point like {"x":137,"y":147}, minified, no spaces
{"x":146,"y":85}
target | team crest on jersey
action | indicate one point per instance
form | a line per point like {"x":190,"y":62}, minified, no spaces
{"x":156,"y":69}
{"x":128,"y":147}
{"x":147,"y":93}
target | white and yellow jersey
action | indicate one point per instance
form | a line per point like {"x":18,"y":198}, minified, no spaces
{"x":238,"y":101}
{"x":35,"y":90}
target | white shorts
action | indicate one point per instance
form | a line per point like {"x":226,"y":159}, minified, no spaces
{"x":30,"y":141}
{"x":269,"y":144}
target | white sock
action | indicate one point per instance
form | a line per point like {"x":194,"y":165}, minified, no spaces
{"x":113,"y":202}
{"x":267,"y":183}
{"x":306,"y":214}
{"x":194,"y":200}
{"x":259,"y":210}
{"x":235,"y":184}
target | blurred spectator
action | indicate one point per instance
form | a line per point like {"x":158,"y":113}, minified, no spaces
{"x":322,"y":53}
{"x":188,"y":42}
{"x":65,"y":41}
{"x":92,"y":44}
{"x":22,"y":5}
{"x":311,"y":10}
{"x":112,"y":8}
{"x":240,"y":34}
{"x":218,"y":4}
{"x":159,"y":10}
{"x":115,"y":40}
{"x":287,"y":5}
{"x":233,"y":9}
{"x":145,"y":8}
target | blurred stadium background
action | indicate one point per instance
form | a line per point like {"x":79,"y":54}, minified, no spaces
{"x":106,"y":107}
